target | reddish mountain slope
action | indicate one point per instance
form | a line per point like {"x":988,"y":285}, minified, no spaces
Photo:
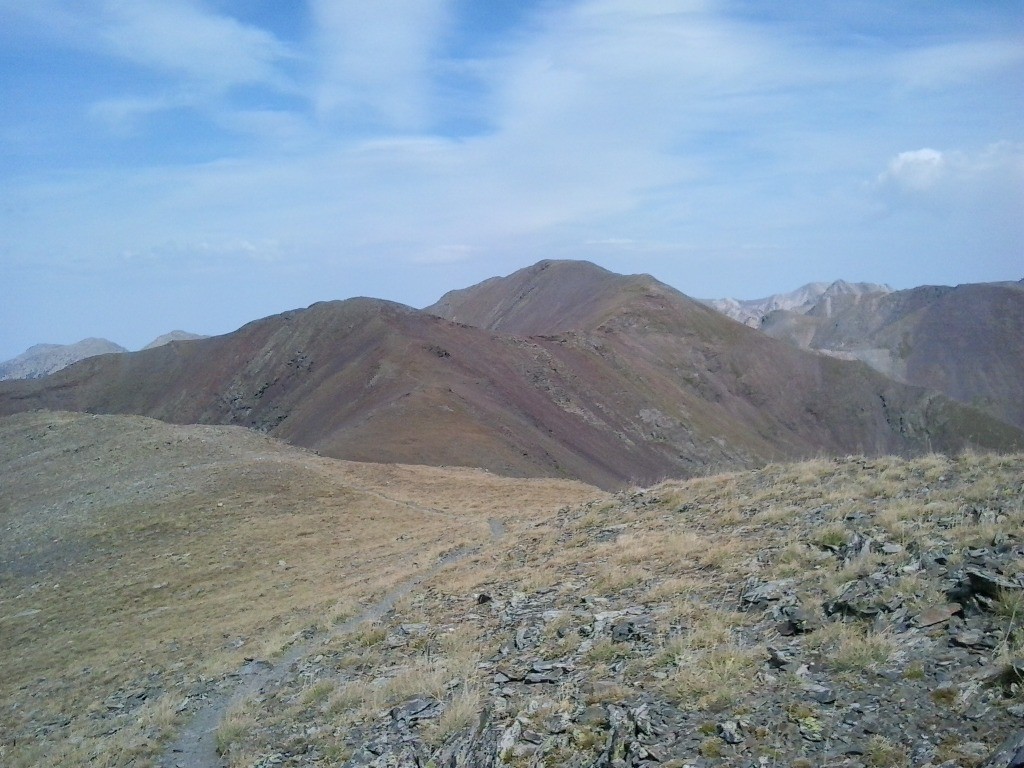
{"x":651,"y":384}
{"x":549,"y":297}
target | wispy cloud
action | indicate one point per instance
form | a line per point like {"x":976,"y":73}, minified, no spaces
{"x":185,"y":38}
{"x":915,"y":170}
{"x":958,"y":63}
{"x":376,"y":61}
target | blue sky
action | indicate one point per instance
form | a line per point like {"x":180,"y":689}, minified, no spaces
{"x":197,"y":164}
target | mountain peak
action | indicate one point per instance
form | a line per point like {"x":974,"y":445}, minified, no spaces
{"x":551,"y":296}
{"x":176,"y":335}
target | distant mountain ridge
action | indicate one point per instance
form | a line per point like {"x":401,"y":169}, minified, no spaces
{"x":561,"y":369}
{"x":44,"y":359}
{"x":752,"y":312}
{"x":167,"y":338}
{"x":965,"y":341}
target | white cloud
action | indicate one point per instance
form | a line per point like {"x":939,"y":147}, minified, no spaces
{"x":956,"y":173}
{"x":194,"y":55}
{"x":916,"y":170}
{"x":610,"y":113}
{"x":179,"y":37}
{"x":655,"y":131}
{"x":186,"y":39}
{"x":376,"y":58}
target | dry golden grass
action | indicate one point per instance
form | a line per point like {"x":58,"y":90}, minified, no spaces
{"x":461,"y":712}
{"x":853,"y":648}
{"x":145,"y":555}
{"x":715,"y":678}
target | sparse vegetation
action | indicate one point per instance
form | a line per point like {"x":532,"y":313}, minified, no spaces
{"x":193,"y":548}
{"x":593,"y":618}
{"x":883,"y":753}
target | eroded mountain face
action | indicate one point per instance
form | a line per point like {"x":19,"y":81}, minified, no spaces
{"x":966,"y":342}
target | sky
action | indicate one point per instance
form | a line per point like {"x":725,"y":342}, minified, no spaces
{"x":197,"y":164}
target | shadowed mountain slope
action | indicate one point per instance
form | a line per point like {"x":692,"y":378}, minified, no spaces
{"x":967,"y":341}
{"x":643,"y":383}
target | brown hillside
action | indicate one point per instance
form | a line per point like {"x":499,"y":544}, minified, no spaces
{"x":549,"y":297}
{"x":651,"y":385}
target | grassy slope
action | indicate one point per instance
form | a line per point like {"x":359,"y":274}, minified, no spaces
{"x":141,"y":562}
{"x":681,"y":555}
{"x":139,"y":556}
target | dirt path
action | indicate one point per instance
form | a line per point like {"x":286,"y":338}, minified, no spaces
{"x":196,"y":745}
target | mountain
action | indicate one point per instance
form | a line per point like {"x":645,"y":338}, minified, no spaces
{"x":967,"y":341}
{"x":753,"y":311}
{"x":167,"y":338}
{"x":623,"y":380}
{"x":44,"y":359}
{"x":550,"y":297}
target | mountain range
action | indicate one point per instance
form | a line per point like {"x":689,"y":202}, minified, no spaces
{"x":561,"y":369}
{"x":965,"y":341}
{"x":753,"y":311}
{"x":43,"y":359}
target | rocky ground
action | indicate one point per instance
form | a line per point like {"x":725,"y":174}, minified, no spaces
{"x":831,"y":613}
{"x":203,"y":597}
